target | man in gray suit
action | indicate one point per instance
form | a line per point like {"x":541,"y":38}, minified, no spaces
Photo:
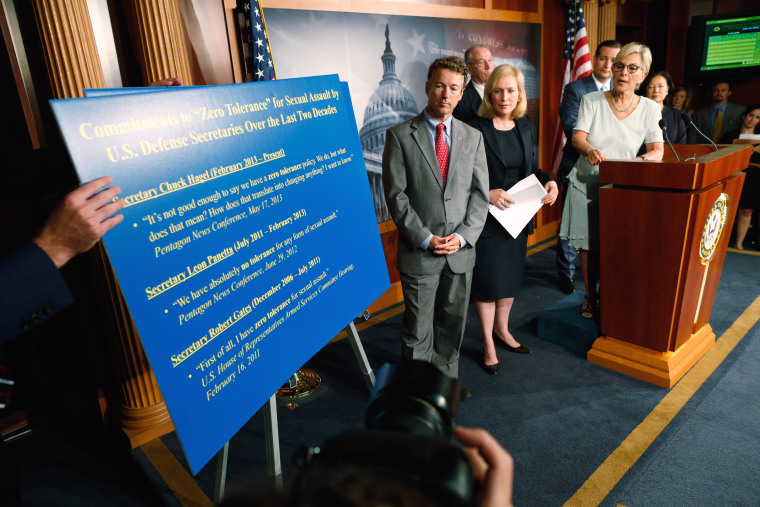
{"x":730,"y":117}
{"x":436,"y":187}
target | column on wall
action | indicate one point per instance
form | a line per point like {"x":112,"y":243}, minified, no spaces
{"x":68,"y":43}
{"x":161,"y":40}
{"x":591,"y":18}
{"x":143,"y":414}
{"x":73,"y":64}
{"x":607,"y":20}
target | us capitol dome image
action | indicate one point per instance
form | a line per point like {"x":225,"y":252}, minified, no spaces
{"x":389,"y":105}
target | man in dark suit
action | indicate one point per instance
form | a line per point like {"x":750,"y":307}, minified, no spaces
{"x":730,"y":117}
{"x":599,"y":80}
{"x":436,"y":187}
{"x":31,"y":288}
{"x":479,"y":65}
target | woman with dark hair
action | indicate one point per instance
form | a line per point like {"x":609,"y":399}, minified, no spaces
{"x":680,"y":98}
{"x":750,"y":198}
{"x":510,"y":143}
{"x":657,"y":87}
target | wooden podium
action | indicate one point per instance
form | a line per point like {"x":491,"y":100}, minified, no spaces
{"x":664,"y":230}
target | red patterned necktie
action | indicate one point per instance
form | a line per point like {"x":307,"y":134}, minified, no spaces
{"x":441,"y":151}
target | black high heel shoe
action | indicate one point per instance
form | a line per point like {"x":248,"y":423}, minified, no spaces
{"x":492,"y":369}
{"x":516,"y":350}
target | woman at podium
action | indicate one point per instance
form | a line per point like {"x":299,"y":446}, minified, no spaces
{"x":750,"y":198}
{"x":611,"y":125}
{"x":510,"y":142}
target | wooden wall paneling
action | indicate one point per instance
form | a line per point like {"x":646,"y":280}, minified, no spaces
{"x":440,"y":9}
{"x":677,"y":41}
{"x":22,"y":76}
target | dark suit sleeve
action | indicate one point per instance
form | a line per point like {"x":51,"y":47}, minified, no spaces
{"x":680,"y":137}
{"x":31,"y":290}
{"x":702,"y":120}
{"x":568,"y":109}
{"x":543,"y":176}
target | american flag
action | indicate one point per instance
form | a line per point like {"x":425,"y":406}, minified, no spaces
{"x":258,"y":64}
{"x":576,"y":64}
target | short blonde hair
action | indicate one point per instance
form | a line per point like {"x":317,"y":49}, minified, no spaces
{"x":486,"y":108}
{"x":637,"y":48}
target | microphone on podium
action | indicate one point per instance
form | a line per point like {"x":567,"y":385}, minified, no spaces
{"x":664,"y":126}
{"x":686,"y":117}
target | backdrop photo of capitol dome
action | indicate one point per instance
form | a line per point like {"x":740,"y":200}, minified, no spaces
{"x":385,"y":58}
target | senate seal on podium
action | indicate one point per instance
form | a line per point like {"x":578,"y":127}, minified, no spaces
{"x":716,"y":220}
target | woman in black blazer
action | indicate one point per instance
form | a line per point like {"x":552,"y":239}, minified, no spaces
{"x":511,"y":154}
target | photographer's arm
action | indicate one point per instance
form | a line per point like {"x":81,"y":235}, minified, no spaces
{"x":493,"y":466}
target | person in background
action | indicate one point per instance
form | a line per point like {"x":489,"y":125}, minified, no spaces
{"x":720,"y":117}
{"x":479,"y":64}
{"x":750,"y":197}
{"x":611,"y":125}
{"x":657,"y":87}
{"x":510,"y":142}
{"x":680,"y":98}
{"x":599,"y":80}
{"x":32,"y":289}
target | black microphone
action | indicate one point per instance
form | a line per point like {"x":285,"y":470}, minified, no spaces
{"x":664,"y":126}
{"x":686,"y":117}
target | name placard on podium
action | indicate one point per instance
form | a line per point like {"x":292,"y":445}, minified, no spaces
{"x":249,"y":238}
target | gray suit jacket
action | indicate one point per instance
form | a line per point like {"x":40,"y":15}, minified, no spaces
{"x":732,"y":120}
{"x":419,"y":203}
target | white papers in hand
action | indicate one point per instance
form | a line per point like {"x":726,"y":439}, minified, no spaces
{"x":528,"y":193}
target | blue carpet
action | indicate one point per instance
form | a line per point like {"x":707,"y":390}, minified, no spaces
{"x":558,"y":415}
{"x":710,"y":453}
{"x":563,"y":324}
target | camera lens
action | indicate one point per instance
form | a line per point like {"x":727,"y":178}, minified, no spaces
{"x":413,"y":397}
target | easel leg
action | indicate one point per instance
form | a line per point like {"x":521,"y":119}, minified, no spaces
{"x":221,"y":472}
{"x":272,"y":434}
{"x":361,"y":357}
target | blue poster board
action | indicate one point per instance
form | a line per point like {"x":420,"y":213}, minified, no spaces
{"x":249,"y":238}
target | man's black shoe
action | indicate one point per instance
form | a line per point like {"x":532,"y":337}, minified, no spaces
{"x":567,"y":284}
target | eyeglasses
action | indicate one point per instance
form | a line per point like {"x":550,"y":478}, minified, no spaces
{"x":632,"y":69}
{"x":654,"y":87}
{"x":482,"y":61}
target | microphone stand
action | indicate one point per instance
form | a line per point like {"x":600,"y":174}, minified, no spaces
{"x":664,"y":127}
{"x":687,"y":118}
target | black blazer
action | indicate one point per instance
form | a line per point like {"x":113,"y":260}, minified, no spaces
{"x":31,"y":290}
{"x":467,"y":109}
{"x":527,"y":132}
{"x":676,"y":126}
